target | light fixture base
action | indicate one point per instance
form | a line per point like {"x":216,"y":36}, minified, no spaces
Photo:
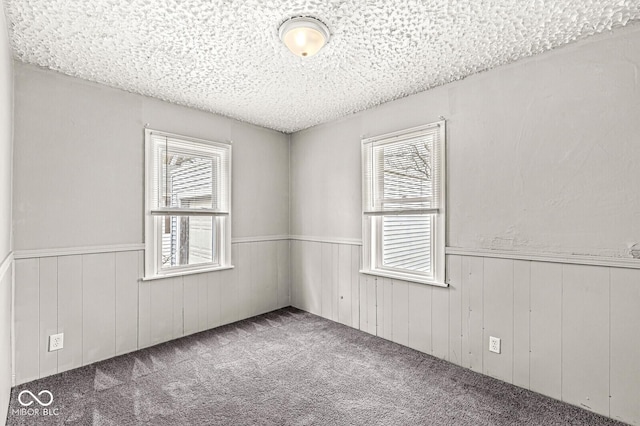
{"x":304,"y":35}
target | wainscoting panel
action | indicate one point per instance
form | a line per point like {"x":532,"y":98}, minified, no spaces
{"x":439,"y":311}
{"x":498,"y":318}
{"x":385,"y":308}
{"x":264,"y":279}
{"x":27,"y":320}
{"x":161,"y":310}
{"x":585,"y":337}
{"x":104,"y":309}
{"x":48,"y":277}
{"x":178,"y":308}
{"x":419,"y":337}
{"x":191,"y":304}
{"x":284,"y":274}
{"x":212,"y":300}
{"x":98,"y":307}
{"x":335,"y":285}
{"x":372,"y":301}
{"x":546,"y":329}
{"x":326,"y":282}
{"x":472,"y":307}
{"x":555,"y":320}
{"x":356,"y":279}
{"x":6,"y":314}
{"x":144,"y":317}
{"x":344,"y":285}
{"x":126,"y":302}
{"x":625,"y":345}
{"x":243,"y":263}
{"x":521,"y":322}
{"x":70,"y":311}
{"x":203,"y":301}
{"x":367,"y":298}
{"x":400,"y":313}
{"x":296,"y":272}
{"x":568,"y":331}
{"x":454,"y":279}
{"x":229,"y":292}
{"x":308,"y":274}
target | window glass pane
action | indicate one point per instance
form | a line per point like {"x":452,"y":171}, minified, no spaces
{"x":187,"y":180}
{"x":187,"y":240}
{"x":404,"y":174}
{"x":406,"y":243}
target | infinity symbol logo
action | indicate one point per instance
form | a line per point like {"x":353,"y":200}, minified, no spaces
{"x":35,"y":398}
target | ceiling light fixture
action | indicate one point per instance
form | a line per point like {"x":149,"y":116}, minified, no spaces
{"x":304,"y":35}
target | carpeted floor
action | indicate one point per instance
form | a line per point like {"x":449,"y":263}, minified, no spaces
{"x":286,"y":367}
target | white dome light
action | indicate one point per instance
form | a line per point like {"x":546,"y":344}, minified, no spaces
{"x":304,"y":36}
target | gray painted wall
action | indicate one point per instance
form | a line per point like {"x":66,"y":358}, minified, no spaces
{"x":541,"y":154}
{"x":78,"y":176}
{"x":78,"y":163}
{"x":6,"y":137}
{"x":6,"y":246}
{"x":541,"y":159}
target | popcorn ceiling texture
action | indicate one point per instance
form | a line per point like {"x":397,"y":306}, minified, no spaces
{"x":225,"y":56}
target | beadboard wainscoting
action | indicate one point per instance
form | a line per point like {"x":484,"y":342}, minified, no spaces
{"x":325,"y":280}
{"x":568,"y":331}
{"x":6,"y":310}
{"x":104,"y":309}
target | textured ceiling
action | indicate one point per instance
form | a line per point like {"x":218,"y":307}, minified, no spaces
{"x":225,"y":56}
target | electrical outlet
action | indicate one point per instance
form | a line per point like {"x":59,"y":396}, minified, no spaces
{"x":56,"y":342}
{"x":494,"y":344}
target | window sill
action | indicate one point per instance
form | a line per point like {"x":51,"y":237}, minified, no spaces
{"x":183,"y":273}
{"x":407,"y":278}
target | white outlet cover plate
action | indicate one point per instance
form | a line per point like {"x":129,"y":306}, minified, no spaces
{"x":494,"y":344}
{"x":56,"y":342}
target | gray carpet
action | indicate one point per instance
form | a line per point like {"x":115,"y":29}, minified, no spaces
{"x":287,"y":367}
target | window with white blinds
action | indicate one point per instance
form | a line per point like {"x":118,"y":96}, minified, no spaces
{"x":188,"y":197}
{"x":403,"y":204}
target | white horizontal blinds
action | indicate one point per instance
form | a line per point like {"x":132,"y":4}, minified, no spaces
{"x":406,"y":242}
{"x":367,"y":179}
{"x":401,"y":173}
{"x":189,"y":177}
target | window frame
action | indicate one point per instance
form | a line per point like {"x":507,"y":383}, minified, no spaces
{"x":372,"y":219}
{"x":153,"y":215}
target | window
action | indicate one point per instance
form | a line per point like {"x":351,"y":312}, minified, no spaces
{"x":403,"y":218}
{"x":188,"y":197}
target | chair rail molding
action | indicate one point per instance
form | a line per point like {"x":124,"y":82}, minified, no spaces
{"x":6,"y":263}
{"x":69,"y":251}
{"x":575,"y":259}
